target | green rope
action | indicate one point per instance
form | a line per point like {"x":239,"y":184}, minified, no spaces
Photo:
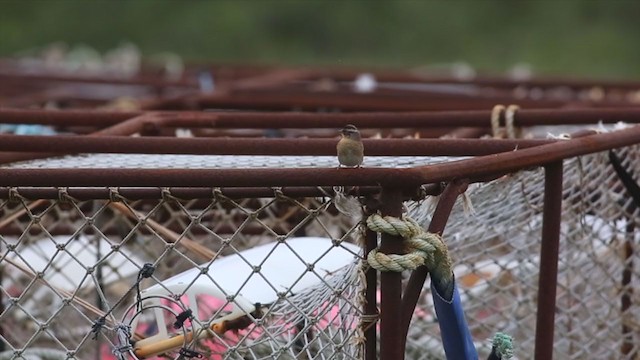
{"x":503,"y":345}
{"x":423,"y":248}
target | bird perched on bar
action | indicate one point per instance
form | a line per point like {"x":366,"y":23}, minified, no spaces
{"x":350,"y":147}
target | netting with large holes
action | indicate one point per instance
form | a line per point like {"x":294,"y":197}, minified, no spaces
{"x":281,"y":277}
{"x":496,"y":247}
{"x":250,"y":278}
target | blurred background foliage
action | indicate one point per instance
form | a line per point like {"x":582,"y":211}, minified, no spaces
{"x":570,"y":37}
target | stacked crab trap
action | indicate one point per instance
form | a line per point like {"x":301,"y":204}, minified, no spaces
{"x":205,"y":215}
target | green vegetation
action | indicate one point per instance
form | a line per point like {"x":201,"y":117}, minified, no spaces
{"x":589,"y":38}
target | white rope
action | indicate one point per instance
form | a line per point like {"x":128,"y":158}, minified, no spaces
{"x":495,"y":120}
{"x":509,"y":115}
{"x":510,"y":129}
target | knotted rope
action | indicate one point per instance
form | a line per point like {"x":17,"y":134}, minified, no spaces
{"x":423,"y":248}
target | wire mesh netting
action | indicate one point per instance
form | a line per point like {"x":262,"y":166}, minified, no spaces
{"x":280,"y":277}
{"x":496,"y":248}
{"x":282,"y":272}
{"x":141,"y":161}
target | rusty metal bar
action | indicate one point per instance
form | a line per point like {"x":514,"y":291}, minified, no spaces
{"x":628,"y":348}
{"x":50,"y":77}
{"x":3,"y":344}
{"x":507,"y":162}
{"x":371,"y":305}
{"x":227,"y":71}
{"x":447,"y":119}
{"x":468,"y":132}
{"x":189,"y":193}
{"x":273,"y":100}
{"x":252,"y":146}
{"x":126,"y":127}
{"x":220,"y":119}
{"x":65,"y":117}
{"x":207,"y":177}
{"x":476,"y":169}
{"x":438,"y":222}
{"x":388,"y":75}
{"x":391,"y":283}
{"x":548,"y":278}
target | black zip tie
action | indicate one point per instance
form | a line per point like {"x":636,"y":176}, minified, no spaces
{"x":146,"y":272}
{"x":626,"y":178}
{"x":97,"y":326}
{"x":189,"y":354}
{"x":182,"y":317}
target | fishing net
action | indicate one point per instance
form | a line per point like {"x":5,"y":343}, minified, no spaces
{"x":72,"y":277}
{"x":496,"y":246}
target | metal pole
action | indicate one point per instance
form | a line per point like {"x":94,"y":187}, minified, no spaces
{"x":391,"y":347}
{"x":300,"y":120}
{"x":126,"y":127}
{"x":99,"y":143}
{"x":628,"y":347}
{"x":3,"y":345}
{"x":371,"y":305}
{"x":548,"y":279}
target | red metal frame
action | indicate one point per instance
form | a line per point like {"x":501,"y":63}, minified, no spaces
{"x":269,"y":88}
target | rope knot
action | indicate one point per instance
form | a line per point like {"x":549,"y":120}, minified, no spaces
{"x":423,"y":248}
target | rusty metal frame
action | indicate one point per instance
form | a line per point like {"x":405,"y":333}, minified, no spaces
{"x":255,"y":88}
{"x":550,"y":244}
{"x":396,"y":309}
{"x":476,"y":169}
{"x":271,"y":120}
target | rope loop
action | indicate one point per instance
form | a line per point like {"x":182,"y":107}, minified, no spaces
{"x":495,"y":120}
{"x":509,"y":120}
{"x":407,"y":228}
{"x":165,"y":194}
{"x":63,"y":195}
{"x":217,"y":195}
{"x":14,"y":195}
{"x":114,"y":195}
{"x":510,"y":130}
{"x":278,"y":194}
{"x":423,"y":248}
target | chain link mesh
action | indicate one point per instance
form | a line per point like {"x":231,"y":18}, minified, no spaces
{"x":65,"y":263}
{"x":496,"y":248}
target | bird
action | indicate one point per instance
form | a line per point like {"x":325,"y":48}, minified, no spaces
{"x":350,"y":147}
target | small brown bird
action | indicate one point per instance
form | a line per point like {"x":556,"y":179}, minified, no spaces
{"x":350,"y":147}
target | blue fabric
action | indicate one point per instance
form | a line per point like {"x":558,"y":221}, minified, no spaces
{"x":456,"y":338}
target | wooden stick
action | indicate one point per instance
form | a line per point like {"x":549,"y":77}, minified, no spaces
{"x":169,"y":235}
{"x":9,"y":219}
